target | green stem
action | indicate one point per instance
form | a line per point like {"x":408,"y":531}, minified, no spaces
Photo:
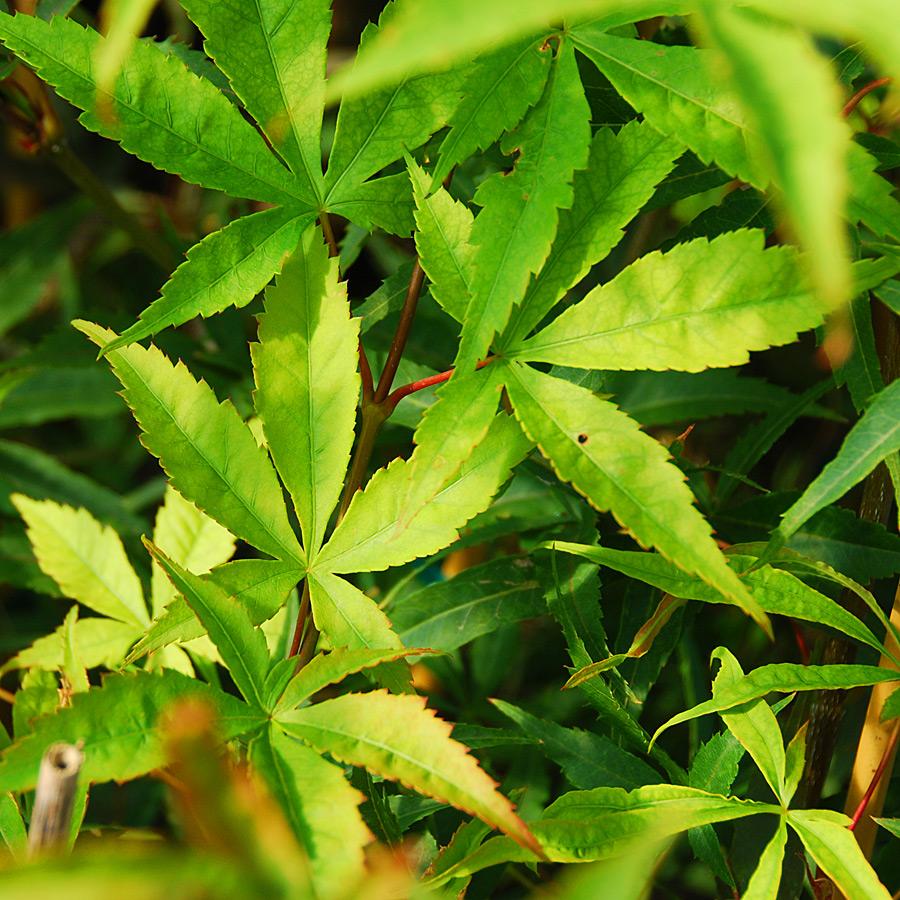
{"x":146,"y":241}
{"x":325,"y":222}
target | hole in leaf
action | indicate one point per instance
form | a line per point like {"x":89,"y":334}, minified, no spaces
{"x":582,"y":438}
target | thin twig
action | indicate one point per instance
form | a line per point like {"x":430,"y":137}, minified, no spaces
{"x":853,"y":102}
{"x":394,"y":398}
{"x":302,"y":616}
{"x":876,"y":778}
{"x":54,"y":798}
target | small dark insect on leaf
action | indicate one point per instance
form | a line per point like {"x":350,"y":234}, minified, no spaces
{"x":582,"y":438}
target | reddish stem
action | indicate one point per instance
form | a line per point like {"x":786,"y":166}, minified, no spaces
{"x":302,"y":616}
{"x":325,"y":222}
{"x":866,"y":89}
{"x":414,"y":386}
{"x":365,"y":372}
{"x":888,"y":750}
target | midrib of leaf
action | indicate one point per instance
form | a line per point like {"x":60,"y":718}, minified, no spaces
{"x":340,"y":611}
{"x":253,"y":513}
{"x":372,"y":132}
{"x":110,"y":99}
{"x":621,"y":485}
{"x":313,"y":181}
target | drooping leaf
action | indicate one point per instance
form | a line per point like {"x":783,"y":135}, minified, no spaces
{"x":85,"y":558}
{"x":307,"y":385}
{"x":605,"y":456}
{"x":124,"y":745}
{"x":511,"y":237}
{"x":189,"y":538}
{"x":587,"y":825}
{"x":278,"y":70}
{"x":397,"y":737}
{"x":795,"y":763}
{"x":588,"y":760}
{"x":367,"y":538}
{"x":209,"y":454}
{"x":622,"y":172}
{"x":448,"y":614}
{"x":705,"y":303}
{"x":321,"y":807}
{"x":766,"y":878}
{"x":227,"y":268}
{"x":242,"y":647}
{"x":13,"y":837}
{"x":158,"y":110}
{"x":775,"y":590}
{"x":824,"y":834}
{"x":784,"y":678}
{"x":805,"y":138}
{"x":875,"y":436}
{"x":498,"y":90}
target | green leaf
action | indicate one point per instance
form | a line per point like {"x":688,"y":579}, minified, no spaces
{"x":477,"y":601}
{"x":383,"y":202}
{"x":443,"y":228}
{"x":705,"y":303}
{"x":429,"y":34}
{"x":330,"y":668}
{"x":622,"y":172}
{"x":277,"y":68}
{"x":307,"y":385}
{"x":801,"y":126}
{"x":158,"y":110}
{"x":862,"y":370}
{"x":605,"y":456}
{"x":86,"y":559}
{"x":125,"y":745}
{"x":496,"y":93}
{"x":209,"y":454}
{"x":875,"y":436}
{"x":261,"y":586}
{"x":775,"y":590}
{"x":795,"y":763}
{"x":99,"y":642}
{"x":588,"y":760}
{"x":398,"y":738}
{"x":826,"y":838}
{"x":190,"y":539}
{"x":372,"y":131}
{"x":242,"y":647}
{"x":449,"y":431}
{"x":511,"y":237}
{"x":588,"y":825}
{"x":227,"y":268}
{"x":13,"y":837}
{"x":320,"y":805}
{"x":784,"y":678}
{"x":871,"y":198}
{"x":766,"y":879}
{"x":753,"y":724}
{"x":367,"y":538}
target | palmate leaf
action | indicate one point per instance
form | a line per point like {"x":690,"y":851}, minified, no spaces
{"x":118,"y":724}
{"x":367,"y":538}
{"x":622,"y":172}
{"x":806,"y":139}
{"x":261,"y":586}
{"x":450,"y":613}
{"x":512,"y":236}
{"x":307,"y":385}
{"x":158,"y":110}
{"x":278,"y":70}
{"x":775,"y":590}
{"x":398,"y":738}
{"x":242,"y":647}
{"x":825,"y":835}
{"x":227,"y":268}
{"x":495,"y":95}
{"x":209,"y":454}
{"x":372,"y":131}
{"x":702,"y":304}
{"x":378,"y":203}
{"x":618,"y":468}
{"x":86,"y":559}
{"x":190,"y":539}
{"x":321,"y":807}
{"x":428,"y":34}
{"x":604,"y":822}
{"x":784,"y":678}
{"x":875,"y":436}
